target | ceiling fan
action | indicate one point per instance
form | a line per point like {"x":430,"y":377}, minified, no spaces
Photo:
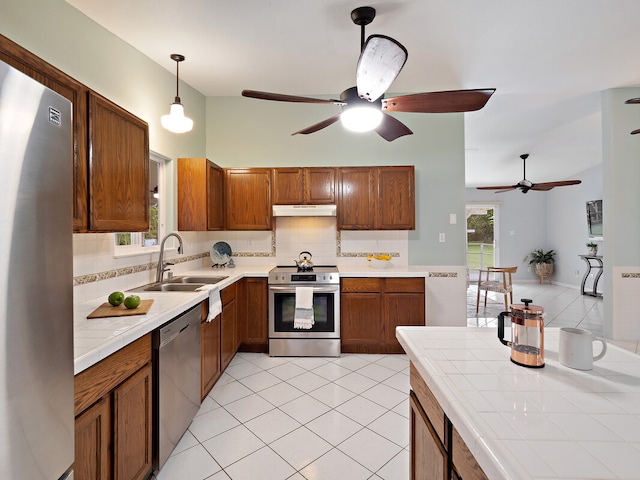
{"x":525,"y":185}
{"x":634,"y":101}
{"x":380,"y":62}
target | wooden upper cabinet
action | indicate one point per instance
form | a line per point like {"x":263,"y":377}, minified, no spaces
{"x":288,"y":186}
{"x":304,"y":186}
{"x":119,"y":168}
{"x":320,"y":186}
{"x":396,"y":204}
{"x":110,"y":150}
{"x":76,"y":93}
{"x":376,"y":198}
{"x":247,"y":201}
{"x":200,"y":195}
{"x":356,"y":198}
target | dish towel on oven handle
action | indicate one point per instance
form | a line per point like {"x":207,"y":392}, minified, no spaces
{"x":215,"y":304}
{"x":303,"y":314}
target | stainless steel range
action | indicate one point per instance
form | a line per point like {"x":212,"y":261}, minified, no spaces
{"x":323,"y":338}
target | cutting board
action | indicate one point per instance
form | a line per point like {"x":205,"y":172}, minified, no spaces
{"x":107,"y":310}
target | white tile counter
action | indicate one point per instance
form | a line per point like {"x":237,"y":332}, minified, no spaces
{"x":96,"y":339}
{"x":522,"y":423}
{"x":365,"y":270}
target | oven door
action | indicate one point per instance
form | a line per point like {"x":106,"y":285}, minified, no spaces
{"x":326,"y":312}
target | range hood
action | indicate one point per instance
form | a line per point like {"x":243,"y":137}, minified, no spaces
{"x":304,"y":210}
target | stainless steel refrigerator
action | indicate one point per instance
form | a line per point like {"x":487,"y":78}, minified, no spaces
{"x":36,"y":281}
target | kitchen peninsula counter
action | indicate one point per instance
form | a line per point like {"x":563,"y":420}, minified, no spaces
{"x":521,"y":423}
{"x":96,"y":339}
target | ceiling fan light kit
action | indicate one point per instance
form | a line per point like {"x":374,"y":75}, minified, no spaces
{"x":525,"y":185}
{"x":176,"y":121}
{"x":381,"y":60}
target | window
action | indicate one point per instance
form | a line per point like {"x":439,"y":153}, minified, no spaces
{"x":130,"y":242}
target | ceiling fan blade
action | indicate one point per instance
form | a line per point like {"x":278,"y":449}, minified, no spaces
{"x":279,"y":97}
{"x":633,"y":100}
{"x":635,"y":132}
{"x":379,"y":64}
{"x":545,"y":186}
{"x":318,"y":126}
{"x":498,"y":187}
{"x":392,"y":128}
{"x":439,"y":102}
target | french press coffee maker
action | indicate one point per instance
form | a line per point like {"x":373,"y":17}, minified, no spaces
{"x":527,"y":334}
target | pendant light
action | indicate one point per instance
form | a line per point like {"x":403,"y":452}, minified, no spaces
{"x":176,"y":122}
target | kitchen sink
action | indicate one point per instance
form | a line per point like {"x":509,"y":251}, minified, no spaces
{"x":168,"y":287}
{"x":185,"y":283}
{"x":193,"y":279}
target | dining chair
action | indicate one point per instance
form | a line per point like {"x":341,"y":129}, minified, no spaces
{"x":496,"y":279}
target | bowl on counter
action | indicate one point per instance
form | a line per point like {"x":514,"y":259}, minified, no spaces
{"x":378,"y":263}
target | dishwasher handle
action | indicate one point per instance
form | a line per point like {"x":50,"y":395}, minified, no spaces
{"x":175,"y":327}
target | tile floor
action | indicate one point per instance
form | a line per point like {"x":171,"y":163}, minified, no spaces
{"x":329,"y":418}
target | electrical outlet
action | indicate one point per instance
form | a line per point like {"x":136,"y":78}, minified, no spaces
{"x":441,"y":238}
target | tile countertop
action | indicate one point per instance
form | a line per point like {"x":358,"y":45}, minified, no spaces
{"x":96,"y":339}
{"x":521,"y":423}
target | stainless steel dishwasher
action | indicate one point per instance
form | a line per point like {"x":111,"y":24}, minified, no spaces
{"x":176,"y":381}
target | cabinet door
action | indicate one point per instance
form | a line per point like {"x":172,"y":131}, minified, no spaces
{"x":288,"y":186}
{"x":403,"y":305}
{"x":428,"y":458}
{"x":357,"y":198}
{"x":119,"y":168}
{"x":93,"y":442}
{"x":215,"y":197}
{"x":320,"y":186}
{"x":360,"y":322}
{"x":192,"y":194}
{"x":132,"y":432}
{"x":395,"y":207}
{"x":209,"y":355}
{"x":74,"y":91}
{"x":247,"y":198}
{"x":254,"y":331}
{"x":199,"y":195}
{"x":228,"y":325}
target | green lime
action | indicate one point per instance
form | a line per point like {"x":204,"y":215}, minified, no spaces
{"x":132,"y":301}
{"x":116,"y":298}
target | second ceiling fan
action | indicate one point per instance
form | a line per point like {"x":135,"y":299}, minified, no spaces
{"x":380,"y":62}
{"x":634,"y":101}
{"x":525,"y":185}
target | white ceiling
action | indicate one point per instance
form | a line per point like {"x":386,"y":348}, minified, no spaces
{"x":548,"y":59}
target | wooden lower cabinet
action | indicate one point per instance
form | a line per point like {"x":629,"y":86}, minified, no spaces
{"x":132,"y":452}
{"x":228,"y":325}
{"x":438,"y":452}
{"x":93,"y":442}
{"x":113,"y":408}
{"x":253,"y":314}
{"x":372,"y":308}
{"x":428,"y":458}
{"x":210,"y":365}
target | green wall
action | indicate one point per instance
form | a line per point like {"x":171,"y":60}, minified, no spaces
{"x":244,"y":132}
{"x":235,"y":131}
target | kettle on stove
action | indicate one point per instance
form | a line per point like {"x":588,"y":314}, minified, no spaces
{"x":527,"y":334}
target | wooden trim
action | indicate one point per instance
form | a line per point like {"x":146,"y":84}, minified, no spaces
{"x":428,"y":402}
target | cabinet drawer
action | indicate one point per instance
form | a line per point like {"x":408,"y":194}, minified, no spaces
{"x":98,"y":380}
{"x":428,"y":402}
{"x":404,"y":285}
{"x":361,"y":285}
{"x":227,"y":294}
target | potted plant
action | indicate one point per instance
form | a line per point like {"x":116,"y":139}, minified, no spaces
{"x":593,"y":248}
{"x":542,"y":262}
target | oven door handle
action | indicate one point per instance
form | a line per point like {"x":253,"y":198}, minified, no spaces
{"x":315,"y":289}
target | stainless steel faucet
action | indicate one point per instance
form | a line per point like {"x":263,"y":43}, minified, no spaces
{"x":162,"y":265}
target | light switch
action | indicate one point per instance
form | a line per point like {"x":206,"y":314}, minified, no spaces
{"x":512,"y":233}
{"x":453,"y":218}
{"x":441,"y":237}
